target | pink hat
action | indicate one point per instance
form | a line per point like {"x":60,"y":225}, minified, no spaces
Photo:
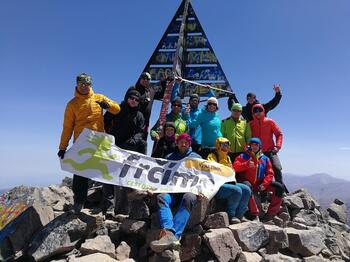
{"x":184,"y":136}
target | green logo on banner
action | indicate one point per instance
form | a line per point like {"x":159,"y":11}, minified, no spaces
{"x":103,"y":146}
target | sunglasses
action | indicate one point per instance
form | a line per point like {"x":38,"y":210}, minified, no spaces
{"x":212,"y":104}
{"x":251,"y":97}
{"x":146,"y":78}
{"x":225,"y":144}
{"x":257,"y":110}
{"x":134,"y":98}
{"x":177,"y":105}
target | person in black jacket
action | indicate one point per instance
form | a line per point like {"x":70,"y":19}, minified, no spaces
{"x":251,"y":101}
{"x":166,"y":144}
{"x":127,"y":127}
{"x":128,"y":130}
{"x":147,"y":95}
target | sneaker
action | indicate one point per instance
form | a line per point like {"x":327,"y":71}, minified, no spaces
{"x":234,"y":220}
{"x":167,"y":241}
{"x":77,"y":207}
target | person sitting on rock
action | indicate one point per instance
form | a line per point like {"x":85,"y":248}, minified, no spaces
{"x":85,"y":110}
{"x":256,"y":170}
{"x":166,"y":145}
{"x":235,"y":194}
{"x":172,"y":227}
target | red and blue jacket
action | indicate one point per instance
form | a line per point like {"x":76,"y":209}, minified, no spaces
{"x":261,"y":173}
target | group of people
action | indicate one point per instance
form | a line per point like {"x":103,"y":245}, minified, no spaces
{"x":246,"y":141}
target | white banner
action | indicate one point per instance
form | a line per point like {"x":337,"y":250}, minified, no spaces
{"x":95,"y":156}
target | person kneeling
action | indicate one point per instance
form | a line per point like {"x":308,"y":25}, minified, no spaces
{"x":257,"y":172}
{"x":235,"y":194}
{"x":172,"y":227}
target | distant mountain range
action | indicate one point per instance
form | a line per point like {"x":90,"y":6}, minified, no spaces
{"x":325,"y":188}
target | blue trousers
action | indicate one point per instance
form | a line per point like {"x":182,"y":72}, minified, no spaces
{"x":237,"y":197}
{"x":178,"y":222}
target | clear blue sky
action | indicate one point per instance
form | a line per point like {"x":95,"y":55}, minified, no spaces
{"x":303,"y":45}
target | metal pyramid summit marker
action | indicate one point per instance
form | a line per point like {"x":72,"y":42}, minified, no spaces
{"x":184,"y":50}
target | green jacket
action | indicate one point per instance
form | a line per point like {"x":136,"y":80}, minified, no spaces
{"x":238,"y":133}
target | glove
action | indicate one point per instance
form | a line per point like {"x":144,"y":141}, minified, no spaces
{"x":103,"y":104}
{"x":61,"y":153}
{"x":261,"y":187}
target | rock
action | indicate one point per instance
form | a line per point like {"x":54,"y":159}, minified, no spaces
{"x":278,"y":239}
{"x":222,"y":244}
{"x":308,"y":200}
{"x":250,"y":235}
{"x":278,"y":221}
{"x":190,"y":246}
{"x":100,"y":244}
{"x":123,"y":251}
{"x":166,"y":256}
{"x":249,"y":257}
{"x":293,"y":202}
{"x":280,"y":258}
{"x":112,"y":225}
{"x":61,"y":235}
{"x":130,"y":226}
{"x":306,"y":217}
{"x":96,"y":257}
{"x":297,"y":225}
{"x":315,"y":259}
{"x":28,"y":223}
{"x":139,"y":210}
{"x":339,"y":226}
{"x":198,"y":213}
{"x":338,"y":211}
{"x":305,"y":242}
{"x":217,"y":220}
{"x":115,"y":234}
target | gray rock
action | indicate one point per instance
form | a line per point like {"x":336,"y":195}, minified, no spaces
{"x":250,"y":235}
{"x":123,"y":251}
{"x":222,"y":244}
{"x":249,"y":257}
{"x":61,"y":235}
{"x":305,"y":242}
{"x":278,"y":239}
{"x":306,"y":217}
{"x":97,"y":257}
{"x":130,"y":226}
{"x":217,"y":220}
{"x":166,"y":256}
{"x":293,"y":202}
{"x":339,"y":226}
{"x":280,"y":258}
{"x":190,"y":246}
{"x":296,"y":225}
{"x":28,"y":223}
{"x":198,"y":214}
{"x":100,"y":244}
{"x":139,"y":210}
{"x":338,"y":211}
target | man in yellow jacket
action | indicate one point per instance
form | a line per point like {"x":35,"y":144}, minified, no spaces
{"x":85,"y":110}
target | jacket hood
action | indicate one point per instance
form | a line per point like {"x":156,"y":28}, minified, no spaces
{"x":262,"y":113}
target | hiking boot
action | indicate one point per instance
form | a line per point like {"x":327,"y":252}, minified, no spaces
{"x":167,"y":241}
{"x":77,"y":207}
{"x":244,"y":219}
{"x":234,"y":220}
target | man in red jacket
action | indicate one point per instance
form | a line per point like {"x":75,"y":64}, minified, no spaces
{"x":254,"y":169}
{"x":271,"y":137}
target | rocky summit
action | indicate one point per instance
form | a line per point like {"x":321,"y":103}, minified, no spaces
{"x":37,"y":224}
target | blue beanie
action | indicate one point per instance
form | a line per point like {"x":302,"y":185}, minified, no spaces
{"x":255,"y":140}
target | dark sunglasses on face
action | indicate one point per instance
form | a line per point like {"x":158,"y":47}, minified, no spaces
{"x":134,"y":98}
{"x":225,"y":144}
{"x":212,"y":104}
{"x":256,"y":110}
{"x":146,"y":78}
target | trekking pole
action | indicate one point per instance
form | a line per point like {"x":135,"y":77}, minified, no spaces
{"x":203,"y":85}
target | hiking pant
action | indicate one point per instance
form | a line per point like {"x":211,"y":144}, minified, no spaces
{"x":178,"y":222}
{"x":277,"y":190}
{"x":237,"y":197}
{"x":80,"y":188}
{"x":277,"y":168}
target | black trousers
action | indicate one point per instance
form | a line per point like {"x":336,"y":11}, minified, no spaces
{"x":80,"y":188}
